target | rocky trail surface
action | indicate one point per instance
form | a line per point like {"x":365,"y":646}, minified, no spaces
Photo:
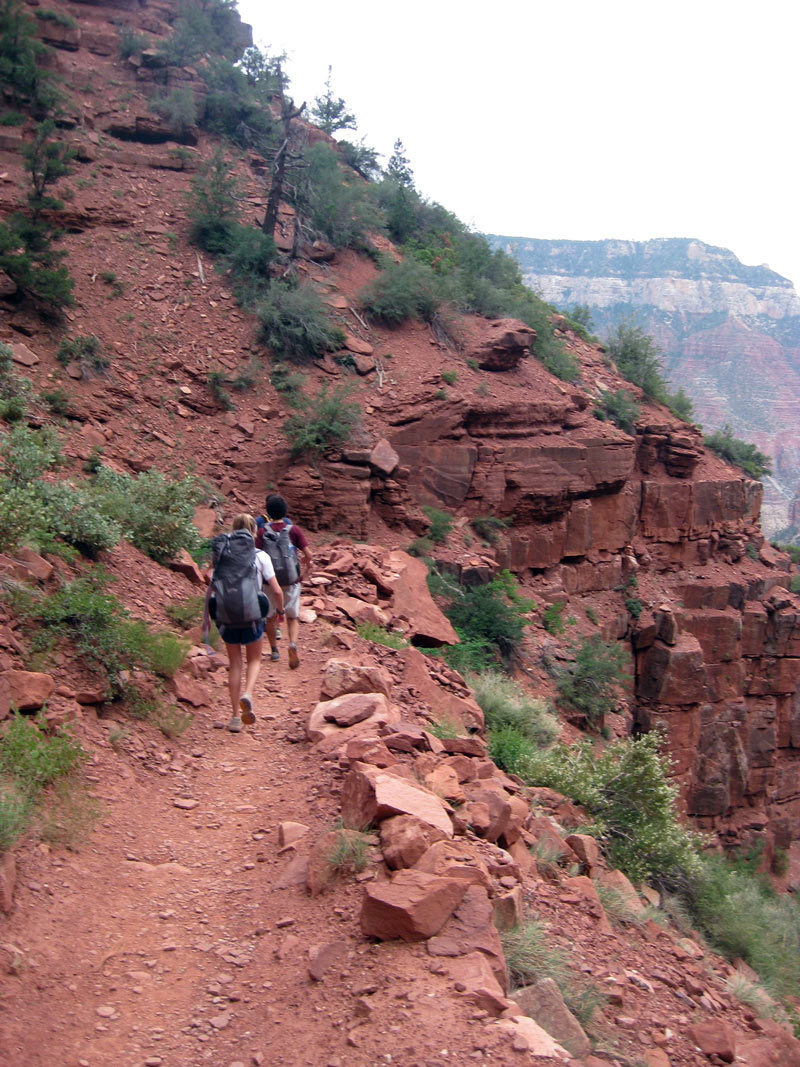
{"x":181,"y":932}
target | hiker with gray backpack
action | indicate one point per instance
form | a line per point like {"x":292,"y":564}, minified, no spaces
{"x":237,"y":604}
{"x":286,"y":545}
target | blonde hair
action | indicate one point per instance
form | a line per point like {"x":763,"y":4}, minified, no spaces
{"x":244,"y":521}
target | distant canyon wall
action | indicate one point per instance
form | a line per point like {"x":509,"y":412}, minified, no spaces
{"x":729,"y":333}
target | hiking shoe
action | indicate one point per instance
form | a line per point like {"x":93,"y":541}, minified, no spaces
{"x":274,"y":655}
{"x":278,"y":634}
{"x":294,"y":659}
{"x":246,"y":708}
{"x":235,"y":725}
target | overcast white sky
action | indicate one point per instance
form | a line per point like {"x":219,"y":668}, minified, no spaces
{"x":579,"y":119}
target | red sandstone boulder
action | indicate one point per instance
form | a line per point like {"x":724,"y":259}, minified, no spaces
{"x":501,"y":344}
{"x":673,"y":675}
{"x":405,"y":839}
{"x":342,"y":676}
{"x":714,"y":1038}
{"x":25,"y":690}
{"x":383,"y":458}
{"x":370,"y":795}
{"x":455,"y":859}
{"x":425,"y":623}
{"x":330,"y":717}
{"x":413,"y":906}
{"x":470,"y":929}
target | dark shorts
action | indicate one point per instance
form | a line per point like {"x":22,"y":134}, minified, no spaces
{"x":242,"y":635}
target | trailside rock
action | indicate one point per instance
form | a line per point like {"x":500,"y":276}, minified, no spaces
{"x":411,"y":601}
{"x":341,"y":676}
{"x":544,"y":1003}
{"x":413,"y":906}
{"x":502,"y":344}
{"x":26,"y":690}
{"x":405,"y":839}
{"x":470,"y":929}
{"x":330,"y":717}
{"x":714,"y":1038}
{"x":370,"y":795}
{"x":529,"y":1036}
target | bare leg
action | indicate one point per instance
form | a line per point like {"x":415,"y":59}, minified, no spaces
{"x":253,"y":653}
{"x":271,"y":627}
{"x":235,"y":674}
{"x":293,"y":626}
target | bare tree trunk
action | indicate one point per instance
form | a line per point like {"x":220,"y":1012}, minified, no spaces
{"x":288,"y":114}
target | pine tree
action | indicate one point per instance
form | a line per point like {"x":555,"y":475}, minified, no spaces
{"x":331,"y":115}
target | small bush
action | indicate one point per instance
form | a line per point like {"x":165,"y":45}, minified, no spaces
{"x":289,"y":384}
{"x":628,"y":793}
{"x":620,"y":408}
{"x":505,"y":703}
{"x":489,"y":527}
{"x":186,"y":613}
{"x":590,"y":683}
{"x":217,"y":380}
{"x":154,"y":512}
{"x":422,"y":547}
{"x":349,"y":851}
{"x":296,"y":324}
{"x":406,"y":290}
{"x":85,"y":350}
{"x":531,"y":955}
{"x":486,"y":618}
{"x":744,"y":917}
{"x":739,"y":453}
{"x":552,"y":617}
{"x":329,"y":420}
{"x":131,"y":42}
{"x":58,"y":17}
{"x":441,"y":523}
{"x":379,"y":635}
{"x":58,"y":401}
{"x":449,"y":377}
{"x":15,"y":392}
{"x":638,"y":359}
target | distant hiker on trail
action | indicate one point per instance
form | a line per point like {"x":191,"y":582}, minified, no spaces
{"x":238,"y":606}
{"x":278,"y":536}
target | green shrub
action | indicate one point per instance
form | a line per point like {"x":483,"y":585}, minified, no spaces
{"x":217,"y":380}
{"x":681,"y":405}
{"x":296,"y":325}
{"x":449,"y":377}
{"x":794,"y":584}
{"x":131,"y":42}
{"x":30,"y":761}
{"x":26,"y":454}
{"x":739,"y":453}
{"x":627,"y":791}
{"x":507,"y":707}
{"x":154,"y":512}
{"x":421,"y":547}
{"x":329,"y":420}
{"x":289,"y":384}
{"x":552,"y":617}
{"x":531,"y":955}
{"x":336,"y":203}
{"x":633,"y":606}
{"x":85,"y":350}
{"x":406,"y":290}
{"x":441,"y":523}
{"x":638,"y":359}
{"x":213,"y":205}
{"x":620,"y":408}
{"x":486,"y":618}
{"x":15,"y":391}
{"x":489,"y":527}
{"x":104,"y":636}
{"x":591,"y":615}
{"x":745,"y":918}
{"x":590,"y":683}
{"x":58,"y":401}
{"x":73,"y":515}
{"x":379,"y":635}
{"x":58,"y":17}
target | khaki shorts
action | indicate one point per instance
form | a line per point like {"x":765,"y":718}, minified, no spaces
{"x":291,"y":601}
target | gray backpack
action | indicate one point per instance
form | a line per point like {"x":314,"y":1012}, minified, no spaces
{"x":235,"y":582}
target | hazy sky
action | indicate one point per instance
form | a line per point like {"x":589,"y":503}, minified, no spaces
{"x":579,"y":119}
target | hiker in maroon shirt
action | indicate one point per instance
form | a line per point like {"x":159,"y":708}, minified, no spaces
{"x":276,"y":520}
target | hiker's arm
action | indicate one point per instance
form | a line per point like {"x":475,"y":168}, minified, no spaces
{"x":277,"y":594}
{"x":308,"y":560}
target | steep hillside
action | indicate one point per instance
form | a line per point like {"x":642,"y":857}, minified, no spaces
{"x":730,"y":334}
{"x":348,"y":881}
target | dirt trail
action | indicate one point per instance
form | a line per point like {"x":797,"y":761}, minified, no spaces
{"x":178,"y":935}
